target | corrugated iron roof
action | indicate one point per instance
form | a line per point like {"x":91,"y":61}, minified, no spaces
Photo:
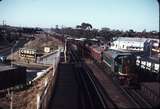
{"x":114,"y":54}
{"x":135,"y":39}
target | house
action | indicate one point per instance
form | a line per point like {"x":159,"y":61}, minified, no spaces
{"x":133,"y":44}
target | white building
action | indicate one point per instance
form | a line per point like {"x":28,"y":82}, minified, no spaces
{"x":127,"y":43}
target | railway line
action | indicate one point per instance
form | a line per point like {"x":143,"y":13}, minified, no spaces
{"x":109,"y":88}
{"x":88,"y":85}
{"x":132,"y":98}
{"x":132,"y":94}
{"x":101,"y":91}
{"x":136,"y":98}
{"x":111,"y":91}
{"x":93,"y":88}
{"x":75,"y":89}
{"x":95,"y":91}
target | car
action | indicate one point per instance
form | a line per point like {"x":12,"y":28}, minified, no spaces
{"x":3,"y":58}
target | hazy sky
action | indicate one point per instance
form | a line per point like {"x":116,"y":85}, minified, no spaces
{"x":115,"y":14}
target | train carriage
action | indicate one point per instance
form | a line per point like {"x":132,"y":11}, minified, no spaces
{"x":148,"y":63}
{"x":95,"y":53}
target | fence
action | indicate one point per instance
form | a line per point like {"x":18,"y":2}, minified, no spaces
{"x":44,"y":98}
{"x":44,"y":59}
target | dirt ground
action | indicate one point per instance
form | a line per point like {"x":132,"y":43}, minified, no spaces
{"x":25,"y":99}
{"x":40,"y":41}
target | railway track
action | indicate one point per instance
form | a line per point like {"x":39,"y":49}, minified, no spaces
{"x":136,"y":98}
{"x":85,"y":95}
{"x":75,"y":88}
{"x":104,"y":97}
{"x":132,"y":94}
{"x":98,"y":98}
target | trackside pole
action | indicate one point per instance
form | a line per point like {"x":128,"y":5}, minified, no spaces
{"x":65,"y":50}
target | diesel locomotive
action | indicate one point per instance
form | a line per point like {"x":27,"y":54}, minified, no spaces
{"x":122,"y":65}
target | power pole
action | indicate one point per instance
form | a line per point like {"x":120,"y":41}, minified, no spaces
{"x":65,"y":51}
{"x":11,"y":104}
{"x":10,"y":96}
{"x":3,"y":22}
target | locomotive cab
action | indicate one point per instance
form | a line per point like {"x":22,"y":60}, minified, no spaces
{"x":122,"y":65}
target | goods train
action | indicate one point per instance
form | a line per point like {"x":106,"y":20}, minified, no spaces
{"x":122,"y":65}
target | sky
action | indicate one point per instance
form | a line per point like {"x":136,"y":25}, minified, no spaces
{"x":114,"y":14}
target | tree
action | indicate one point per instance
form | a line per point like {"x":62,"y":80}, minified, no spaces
{"x":131,"y":33}
{"x":84,"y":26}
{"x":78,"y":26}
{"x":105,"y":29}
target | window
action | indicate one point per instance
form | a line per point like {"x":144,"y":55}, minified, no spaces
{"x":109,"y":61}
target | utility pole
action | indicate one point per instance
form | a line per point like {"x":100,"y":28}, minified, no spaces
{"x":10,"y":96}
{"x":3,"y":22}
{"x":65,"y":50}
{"x":11,"y":104}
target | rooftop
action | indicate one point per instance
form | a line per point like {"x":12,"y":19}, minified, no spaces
{"x":135,"y":39}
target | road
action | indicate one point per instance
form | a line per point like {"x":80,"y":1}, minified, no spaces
{"x":7,"y":51}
